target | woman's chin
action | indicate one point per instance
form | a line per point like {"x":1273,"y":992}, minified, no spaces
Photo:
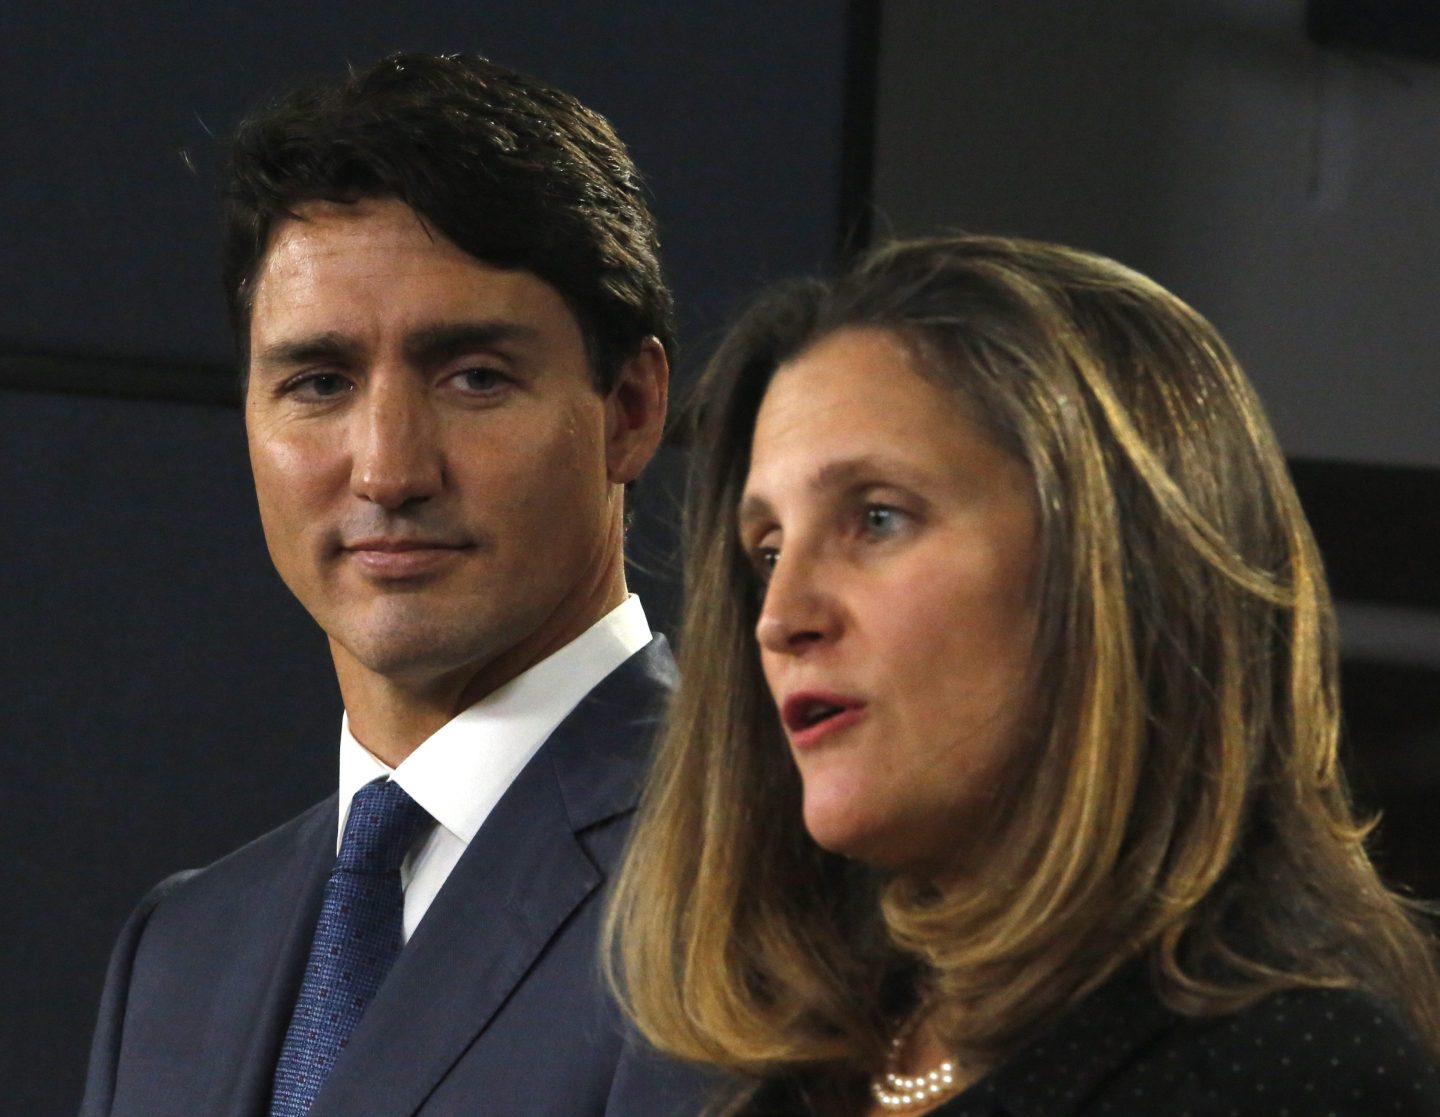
{"x":838,"y":831}
{"x":839,"y":827}
{"x":881,"y":841}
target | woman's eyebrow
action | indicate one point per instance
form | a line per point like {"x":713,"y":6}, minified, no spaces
{"x":864,"y":470}
{"x":843,"y":473}
{"x":752,"y":508}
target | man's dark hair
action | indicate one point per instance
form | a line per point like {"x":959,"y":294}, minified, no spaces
{"x":514,"y":172}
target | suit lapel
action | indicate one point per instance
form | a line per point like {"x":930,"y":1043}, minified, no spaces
{"x":273,"y":944}
{"x":518,"y":882}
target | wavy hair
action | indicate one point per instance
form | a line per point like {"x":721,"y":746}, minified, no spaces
{"x":511,"y":170}
{"x":1182,"y":800}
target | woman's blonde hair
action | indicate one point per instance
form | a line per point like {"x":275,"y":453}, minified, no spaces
{"x":1182,"y":800}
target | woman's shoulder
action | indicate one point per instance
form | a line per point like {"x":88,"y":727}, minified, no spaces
{"x":1297,"y":1053}
{"x":1341,"y":1052}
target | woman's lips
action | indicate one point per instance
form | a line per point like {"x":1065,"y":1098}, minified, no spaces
{"x":811,"y":716}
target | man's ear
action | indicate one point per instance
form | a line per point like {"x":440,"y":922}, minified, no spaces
{"x":635,"y":411}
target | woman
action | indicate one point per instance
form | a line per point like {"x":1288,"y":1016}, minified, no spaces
{"x":1002,"y":775}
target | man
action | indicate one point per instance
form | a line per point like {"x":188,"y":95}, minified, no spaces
{"x":444,"y":281}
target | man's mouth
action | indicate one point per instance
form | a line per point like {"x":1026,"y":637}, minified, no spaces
{"x":402,"y":558}
{"x":399,"y":544}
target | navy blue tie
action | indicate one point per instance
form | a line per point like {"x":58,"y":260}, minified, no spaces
{"x":356,"y":942}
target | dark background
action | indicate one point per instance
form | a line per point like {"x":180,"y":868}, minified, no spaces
{"x":165,"y":699}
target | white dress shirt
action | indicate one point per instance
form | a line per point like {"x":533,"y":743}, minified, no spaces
{"x":460,"y":772}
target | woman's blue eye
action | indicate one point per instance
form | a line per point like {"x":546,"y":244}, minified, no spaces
{"x":764,"y":560}
{"x":881,"y":519}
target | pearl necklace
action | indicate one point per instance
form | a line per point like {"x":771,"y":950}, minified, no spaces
{"x":900,"y":1093}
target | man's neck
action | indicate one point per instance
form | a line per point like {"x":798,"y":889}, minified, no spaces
{"x":393,"y":715}
{"x":392,"y":718}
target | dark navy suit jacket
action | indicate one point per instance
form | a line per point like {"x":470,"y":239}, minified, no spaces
{"x":496,"y":1005}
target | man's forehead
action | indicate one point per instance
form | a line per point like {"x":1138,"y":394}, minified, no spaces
{"x":376,"y":261}
{"x":320,"y":229}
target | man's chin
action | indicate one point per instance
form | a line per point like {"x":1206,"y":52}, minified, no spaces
{"x":412,"y":654}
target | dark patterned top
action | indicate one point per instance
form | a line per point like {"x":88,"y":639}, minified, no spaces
{"x":1301,"y":1053}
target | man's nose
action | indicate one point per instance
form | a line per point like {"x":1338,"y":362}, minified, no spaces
{"x":800,"y":611}
{"x":397,"y":458}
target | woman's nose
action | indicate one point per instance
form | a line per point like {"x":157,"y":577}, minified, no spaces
{"x":799,"y":611}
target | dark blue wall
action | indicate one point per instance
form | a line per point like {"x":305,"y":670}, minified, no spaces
{"x":733,"y":111}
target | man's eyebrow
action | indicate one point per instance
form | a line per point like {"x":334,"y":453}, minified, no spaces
{"x":427,"y":345}
{"x":314,"y":349}
{"x":431,"y":344}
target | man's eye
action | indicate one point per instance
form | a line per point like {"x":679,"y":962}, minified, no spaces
{"x":317,"y":385}
{"x":480,"y":379}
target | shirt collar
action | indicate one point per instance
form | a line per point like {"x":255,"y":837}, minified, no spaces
{"x":460,"y":772}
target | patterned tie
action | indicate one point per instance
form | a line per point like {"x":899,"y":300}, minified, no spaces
{"x":356,"y":941}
